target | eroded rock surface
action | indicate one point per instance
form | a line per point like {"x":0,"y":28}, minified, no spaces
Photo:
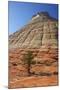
{"x":40,"y":32}
{"x":40,"y":36}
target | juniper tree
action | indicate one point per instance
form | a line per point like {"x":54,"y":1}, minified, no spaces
{"x":27,"y":58}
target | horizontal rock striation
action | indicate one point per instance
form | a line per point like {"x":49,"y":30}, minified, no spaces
{"x":40,"y":36}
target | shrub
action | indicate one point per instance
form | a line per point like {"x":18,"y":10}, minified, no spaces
{"x":27,"y":60}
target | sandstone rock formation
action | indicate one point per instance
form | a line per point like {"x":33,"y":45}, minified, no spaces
{"x":40,"y":32}
{"x":40,"y":36}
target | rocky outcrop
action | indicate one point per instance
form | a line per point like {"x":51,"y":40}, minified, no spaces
{"x":40,"y":36}
{"x":40,"y":32}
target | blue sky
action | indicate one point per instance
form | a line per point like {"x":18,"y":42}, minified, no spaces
{"x":20,"y":13}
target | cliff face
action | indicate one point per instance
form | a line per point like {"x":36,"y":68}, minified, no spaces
{"x":40,"y":32}
{"x":40,"y":36}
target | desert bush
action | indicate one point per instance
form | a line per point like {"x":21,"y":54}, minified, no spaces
{"x":27,"y":60}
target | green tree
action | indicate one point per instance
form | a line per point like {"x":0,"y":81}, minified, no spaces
{"x":27,"y":58}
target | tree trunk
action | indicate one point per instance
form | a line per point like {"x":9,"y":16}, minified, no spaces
{"x":28,"y":70}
